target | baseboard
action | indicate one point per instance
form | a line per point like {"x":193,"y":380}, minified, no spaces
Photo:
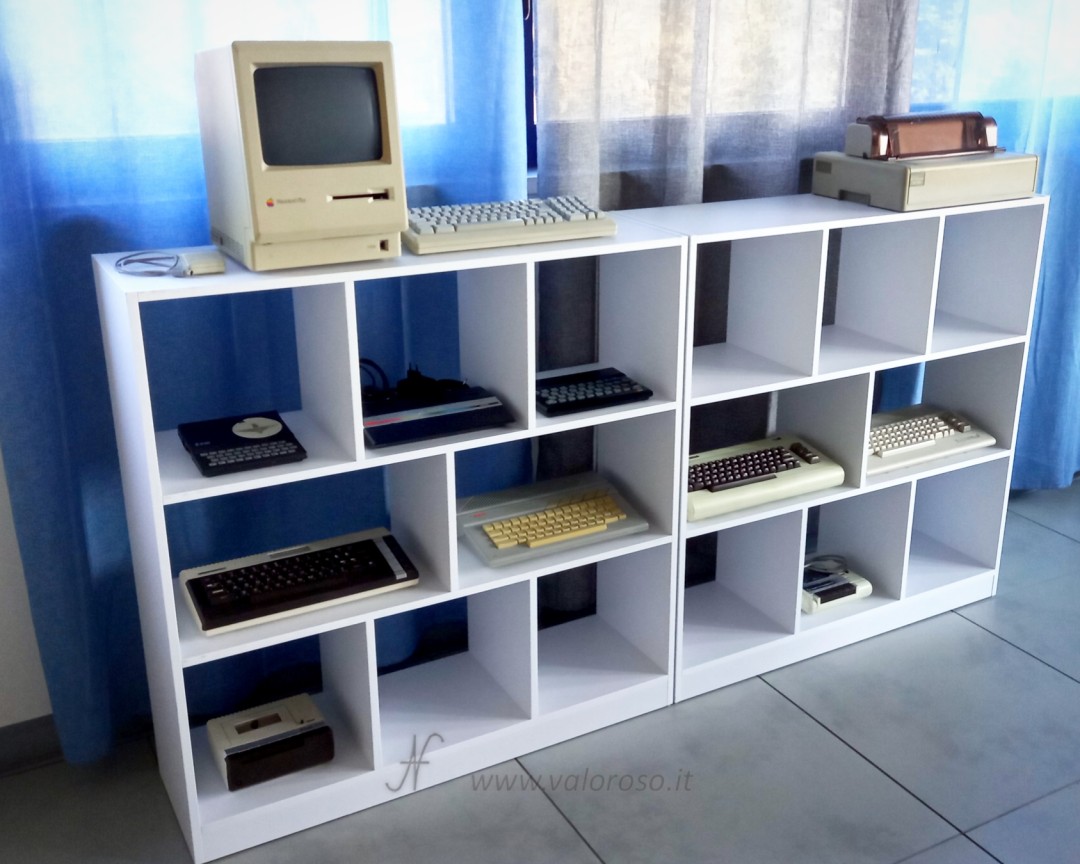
{"x":30,"y":744}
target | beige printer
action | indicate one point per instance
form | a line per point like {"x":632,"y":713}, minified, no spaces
{"x":919,"y":161}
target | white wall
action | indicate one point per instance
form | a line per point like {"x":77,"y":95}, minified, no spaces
{"x":22,"y":681}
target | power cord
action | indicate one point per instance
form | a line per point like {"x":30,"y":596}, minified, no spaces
{"x":379,"y":390}
{"x":415,"y":385}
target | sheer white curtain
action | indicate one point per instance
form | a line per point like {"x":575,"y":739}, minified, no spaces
{"x":652,"y":102}
{"x":649,"y":102}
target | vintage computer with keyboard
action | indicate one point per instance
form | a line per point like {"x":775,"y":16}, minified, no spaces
{"x":524,"y":522}
{"x":246,"y":591}
{"x":302,"y":151}
{"x":920,"y":433}
{"x":756,"y":472}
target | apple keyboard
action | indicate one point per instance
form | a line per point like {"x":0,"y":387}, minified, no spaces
{"x":457,"y":227}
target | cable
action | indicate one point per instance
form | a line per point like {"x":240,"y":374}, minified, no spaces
{"x":148,"y":264}
{"x":371,"y":367}
{"x":827,"y":564}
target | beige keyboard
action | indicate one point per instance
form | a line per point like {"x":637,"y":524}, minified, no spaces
{"x":565,"y":522}
{"x":756,"y":472}
{"x":457,"y":227}
{"x":920,"y":433}
{"x":526,"y":521}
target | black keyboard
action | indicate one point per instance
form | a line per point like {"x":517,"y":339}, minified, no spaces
{"x":240,"y":443}
{"x":250,"y":456}
{"x":583,"y":391}
{"x":250,"y":590}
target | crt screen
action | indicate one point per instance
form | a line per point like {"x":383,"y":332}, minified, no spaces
{"x":318,"y":115}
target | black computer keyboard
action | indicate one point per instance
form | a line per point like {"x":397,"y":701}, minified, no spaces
{"x":250,"y":590}
{"x":240,"y":443}
{"x":583,"y":391}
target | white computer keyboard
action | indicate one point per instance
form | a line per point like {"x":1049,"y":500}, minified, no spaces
{"x":920,"y":433}
{"x":756,"y":472}
{"x":455,"y":227}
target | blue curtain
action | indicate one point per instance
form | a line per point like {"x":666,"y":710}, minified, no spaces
{"x":1018,"y":63}
{"x":100,"y":153}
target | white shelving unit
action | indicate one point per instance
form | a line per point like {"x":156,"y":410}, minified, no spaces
{"x":817,"y":302}
{"x":516,"y":687}
{"x":777,"y":314}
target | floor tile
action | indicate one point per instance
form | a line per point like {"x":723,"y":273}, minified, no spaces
{"x":1055,"y":508}
{"x":737,"y":775}
{"x":118,"y":813}
{"x":107,"y":813}
{"x":958,"y":850}
{"x":1032,"y":553}
{"x":457,"y":821}
{"x":967,"y":723}
{"x":1041,"y":621}
{"x":1044,"y":832}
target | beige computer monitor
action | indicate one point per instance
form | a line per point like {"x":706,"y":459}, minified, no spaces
{"x":302,"y":152}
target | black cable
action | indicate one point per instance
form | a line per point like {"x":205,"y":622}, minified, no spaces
{"x":371,"y":367}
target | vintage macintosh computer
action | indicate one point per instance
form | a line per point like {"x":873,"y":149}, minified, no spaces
{"x":302,"y":151}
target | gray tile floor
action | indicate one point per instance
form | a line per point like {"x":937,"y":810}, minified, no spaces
{"x":952,"y":741}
